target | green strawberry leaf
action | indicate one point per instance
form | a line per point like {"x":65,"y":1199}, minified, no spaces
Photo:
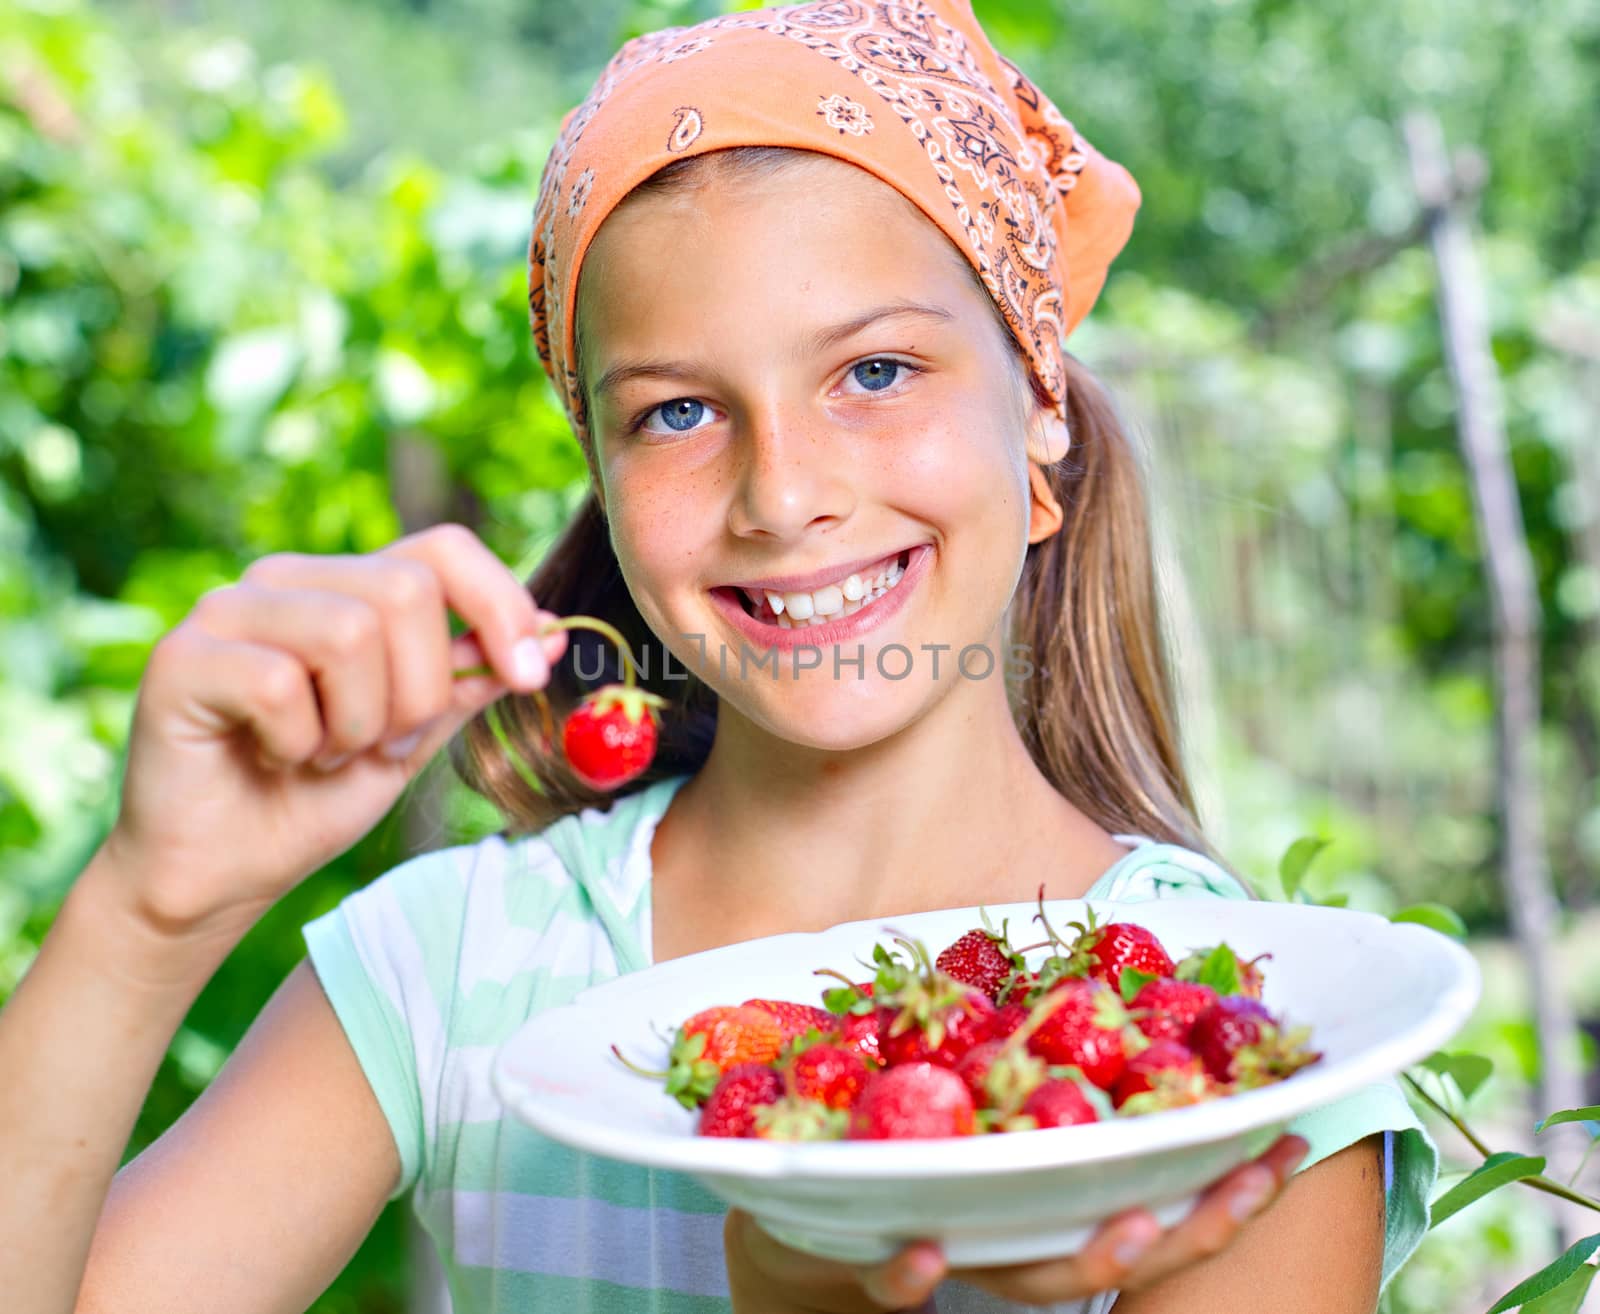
{"x":1133,"y":981}
{"x":1494,"y":1172}
{"x":1468,"y":1071}
{"x":1589,"y":1113}
{"x":1219,"y":969}
{"x":841,"y":999}
{"x":1296,"y":859}
{"x":1549,"y":1279}
{"x":1436,"y":917}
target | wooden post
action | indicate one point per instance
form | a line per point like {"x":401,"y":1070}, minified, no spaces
{"x":1524,"y":871}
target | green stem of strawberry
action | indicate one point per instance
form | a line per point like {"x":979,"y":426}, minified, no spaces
{"x":1055,"y":941}
{"x":634,"y":1067}
{"x":600,"y":627}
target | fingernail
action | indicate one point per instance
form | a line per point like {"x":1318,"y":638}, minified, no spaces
{"x":529,"y":664}
{"x":396,"y":749}
{"x":1247,"y":1199}
{"x":1130,"y":1250}
{"x":326,"y":764}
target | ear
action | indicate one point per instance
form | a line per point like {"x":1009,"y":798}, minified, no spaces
{"x":1049,"y":439}
{"x":1044,"y":510}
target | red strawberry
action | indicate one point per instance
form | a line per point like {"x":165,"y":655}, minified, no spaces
{"x":1121,"y":945}
{"x":708,"y":1044}
{"x":1000,"y":1078}
{"x":858,"y":1032}
{"x":1082,"y":1024}
{"x":978,"y":960}
{"x":974,"y":1069}
{"x":1239,"y":1041}
{"x":914,"y":1100}
{"x":938,"y":1026}
{"x":1167,"y":1009}
{"x":829,"y":1074}
{"x":1056,"y":1103}
{"x":794,"y":1020}
{"x":610,"y":737}
{"x":924,"y":1015}
{"x":1007,"y":1018}
{"x":732,"y":1106}
{"x":1163,"y":1076}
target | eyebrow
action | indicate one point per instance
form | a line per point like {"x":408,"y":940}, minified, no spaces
{"x":627,"y":371}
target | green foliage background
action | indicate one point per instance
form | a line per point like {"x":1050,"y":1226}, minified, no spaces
{"x":249,"y":252}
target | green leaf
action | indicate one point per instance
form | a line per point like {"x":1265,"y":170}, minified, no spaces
{"x":1550,"y":1278}
{"x":1436,"y":917}
{"x":1566,"y":1298}
{"x":1336,"y":901}
{"x":1468,"y":1071}
{"x":1133,"y":981}
{"x":1589,"y":1113}
{"x":1496,"y":1171}
{"x":1220,"y":970}
{"x":1296,"y":859}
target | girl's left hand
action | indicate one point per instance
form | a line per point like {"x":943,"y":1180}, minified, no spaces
{"x":1128,"y":1253}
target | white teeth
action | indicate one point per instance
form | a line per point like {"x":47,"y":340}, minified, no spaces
{"x":828,"y":599}
{"x":796,"y":611}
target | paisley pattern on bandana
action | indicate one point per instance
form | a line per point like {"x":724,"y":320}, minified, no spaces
{"x":961,"y":131}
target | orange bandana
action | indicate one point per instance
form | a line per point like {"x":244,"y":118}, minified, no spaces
{"x":911,"y":92}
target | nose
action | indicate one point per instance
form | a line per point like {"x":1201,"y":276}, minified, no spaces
{"x":790,"y":477}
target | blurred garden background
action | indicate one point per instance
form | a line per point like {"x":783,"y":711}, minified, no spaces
{"x":262,"y":288}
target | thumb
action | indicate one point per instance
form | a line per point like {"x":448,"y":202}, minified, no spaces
{"x":908,"y":1281}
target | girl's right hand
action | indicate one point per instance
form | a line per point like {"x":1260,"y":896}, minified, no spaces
{"x":281,"y":719}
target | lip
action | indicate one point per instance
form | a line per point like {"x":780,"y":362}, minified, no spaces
{"x":842,"y":630}
{"x":817,"y":578}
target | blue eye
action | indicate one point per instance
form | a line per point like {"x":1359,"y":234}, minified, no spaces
{"x":876,"y":375}
{"x":680,"y":415}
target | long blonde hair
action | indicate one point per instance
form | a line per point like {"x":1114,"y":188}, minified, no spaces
{"x":1097,"y":711}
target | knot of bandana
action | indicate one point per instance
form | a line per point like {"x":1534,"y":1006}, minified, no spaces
{"x":911,"y":92}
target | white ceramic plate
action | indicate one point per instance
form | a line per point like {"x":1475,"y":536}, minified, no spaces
{"x":1377,"y":996}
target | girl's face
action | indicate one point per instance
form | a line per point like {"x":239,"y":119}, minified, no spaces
{"x":798,"y":392}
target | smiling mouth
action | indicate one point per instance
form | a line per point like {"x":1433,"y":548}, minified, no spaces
{"x":843,"y":597}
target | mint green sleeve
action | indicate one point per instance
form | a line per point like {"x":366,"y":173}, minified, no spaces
{"x":1162,"y":871}
{"x":383,"y":955}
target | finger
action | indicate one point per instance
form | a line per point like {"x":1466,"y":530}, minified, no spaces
{"x":409,"y":599}
{"x":469,"y":696}
{"x":903,"y":1282}
{"x":340,"y":639}
{"x":908,"y":1280}
{"x":494,"y":603}
{"x":1103,"y":1263}
{"x":231,"y":686}
{"x":1221,"y":1213}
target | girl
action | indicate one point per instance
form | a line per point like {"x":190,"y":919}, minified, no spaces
{"x":802,"y":278}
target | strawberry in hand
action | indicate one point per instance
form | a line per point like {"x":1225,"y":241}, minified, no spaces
{"x":611,"y":737}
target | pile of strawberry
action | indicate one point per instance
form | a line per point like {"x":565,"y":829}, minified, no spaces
{"x":975,"y":1040}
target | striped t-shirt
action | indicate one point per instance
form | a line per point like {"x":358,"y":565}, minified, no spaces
{"x":437,"y":963}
